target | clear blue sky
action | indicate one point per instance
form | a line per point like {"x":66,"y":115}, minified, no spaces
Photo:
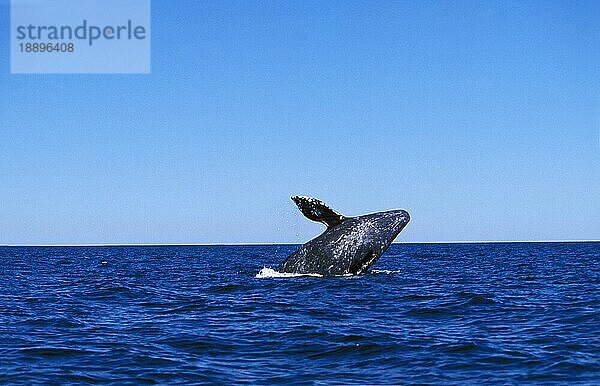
{"x":481,"y":119}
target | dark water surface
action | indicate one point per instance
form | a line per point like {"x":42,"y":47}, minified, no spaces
{"x":437,"y":313}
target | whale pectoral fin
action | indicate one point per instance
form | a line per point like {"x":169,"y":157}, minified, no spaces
{"x":316,"y":210}
{"x":361,"y":265}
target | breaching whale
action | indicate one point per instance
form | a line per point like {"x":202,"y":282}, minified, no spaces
{"x":349,"y":245}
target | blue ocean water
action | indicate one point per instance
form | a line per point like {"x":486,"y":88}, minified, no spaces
{"x":509,"y":313}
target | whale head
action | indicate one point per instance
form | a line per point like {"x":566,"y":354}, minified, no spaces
{"x":386,"y":225}
{"x":364,"y":239}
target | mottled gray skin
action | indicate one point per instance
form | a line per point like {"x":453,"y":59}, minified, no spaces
{"x":350,"y":247}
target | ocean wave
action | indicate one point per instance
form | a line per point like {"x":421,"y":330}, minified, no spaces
{"x":197,"y":314}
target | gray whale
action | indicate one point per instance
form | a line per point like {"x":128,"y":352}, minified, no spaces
{"x":349,"y":245}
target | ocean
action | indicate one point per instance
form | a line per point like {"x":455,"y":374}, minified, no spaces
{"x":483,"y":313}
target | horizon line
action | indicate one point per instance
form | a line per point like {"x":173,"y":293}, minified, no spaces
{"x":251,"y":244}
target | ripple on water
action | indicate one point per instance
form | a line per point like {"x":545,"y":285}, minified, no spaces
{"x":427,"y":314}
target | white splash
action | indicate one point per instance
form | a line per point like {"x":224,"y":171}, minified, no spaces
{"x":385,"y":271}
{"x":270,"y":273}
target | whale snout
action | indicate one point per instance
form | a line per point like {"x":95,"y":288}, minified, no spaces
{"x":404,"y":216}
{"x":400,"y":217}
{"x":399,"y":220}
